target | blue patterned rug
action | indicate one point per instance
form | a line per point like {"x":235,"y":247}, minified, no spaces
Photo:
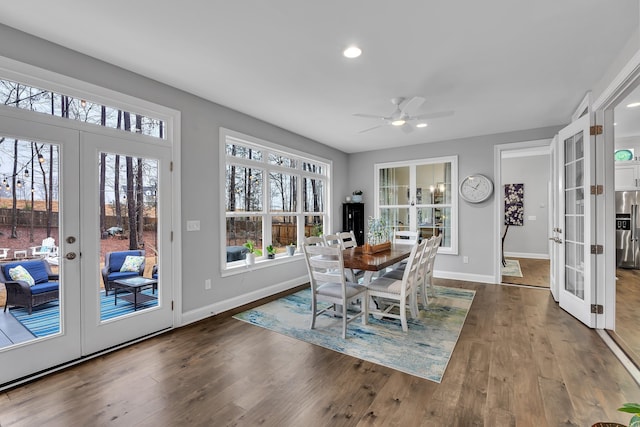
{"x":424,"y":351}
{"x":45,"y":319}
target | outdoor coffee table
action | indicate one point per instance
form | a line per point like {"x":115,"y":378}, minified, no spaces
{"x":135,"y":285}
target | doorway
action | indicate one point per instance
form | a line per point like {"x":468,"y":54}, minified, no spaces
{"x":62,"y":163}
{"x":524,"y":219}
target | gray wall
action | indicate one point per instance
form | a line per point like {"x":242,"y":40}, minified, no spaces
{"x":531,"y":238}
{"x":475,"y":221}
{"x":200,"y":182}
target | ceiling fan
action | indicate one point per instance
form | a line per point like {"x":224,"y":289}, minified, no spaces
{"x":402,"y":117}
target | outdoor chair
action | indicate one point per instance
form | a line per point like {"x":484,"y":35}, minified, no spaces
{"x":113,"y":262}
{"x":47,"y":249}
{"x":4,"y":253}
{"x":21,"y":293}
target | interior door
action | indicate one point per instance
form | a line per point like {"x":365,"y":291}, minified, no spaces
{"x":576,"y":207}
{"x":555,"y":239}
{"x":135,"y":183}
{"x":61,"y":342}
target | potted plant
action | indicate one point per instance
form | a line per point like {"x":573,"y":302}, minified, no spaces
{"x":632,"y":408}
{"x":357,"y":196}
{"x":291,"y":249}
{"x":250,"y":258}
{"x":271,"y":252}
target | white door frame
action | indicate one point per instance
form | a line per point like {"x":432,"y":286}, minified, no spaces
{"x":498,"y":216}
{"x":625,"y":82}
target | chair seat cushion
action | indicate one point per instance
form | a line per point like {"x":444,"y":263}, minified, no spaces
{"x":44,"y":287}
{"x":395,"y":274}
{"x":335,"y":289}
{"x":386,"y":284}
{"x":116,"y":275}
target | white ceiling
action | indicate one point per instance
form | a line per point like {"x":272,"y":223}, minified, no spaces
{"x":501,"y":65}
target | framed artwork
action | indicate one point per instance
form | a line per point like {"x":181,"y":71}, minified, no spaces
{"x":514,"y":204}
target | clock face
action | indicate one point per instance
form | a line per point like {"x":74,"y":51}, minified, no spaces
{"x":476,"y":188}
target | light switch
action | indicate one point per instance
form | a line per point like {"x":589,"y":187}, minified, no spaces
{"x":193,"y":225}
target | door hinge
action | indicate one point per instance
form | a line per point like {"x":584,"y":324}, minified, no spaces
{"x":597,"y":309}
{"x":595,"y":130}
{"x":171,"y":305}
{"x":597,"y":249}
{"x":597,"y":190}
{"x":171,"y":238}
{"x":170,"y":166}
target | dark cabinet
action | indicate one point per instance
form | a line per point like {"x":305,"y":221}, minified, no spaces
{"x":353,"y":219}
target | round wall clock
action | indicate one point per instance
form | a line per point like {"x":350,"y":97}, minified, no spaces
{"x":476,"y":188}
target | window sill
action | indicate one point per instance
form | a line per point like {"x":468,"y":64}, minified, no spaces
{"x":239,"y":267}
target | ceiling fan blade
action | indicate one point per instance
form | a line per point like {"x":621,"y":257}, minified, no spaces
{"x":437,"y":115}
{"x":410,"y":105}
{"x":367,"y":130}
{"x":370,"y":116}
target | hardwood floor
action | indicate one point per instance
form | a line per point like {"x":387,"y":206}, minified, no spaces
{"x":520,"y":360}
{"x":535,"y":272}
{"x":627,"y":315}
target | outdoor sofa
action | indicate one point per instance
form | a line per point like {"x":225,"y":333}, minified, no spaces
{"x":20,"y":293}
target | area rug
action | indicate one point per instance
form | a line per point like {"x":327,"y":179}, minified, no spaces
{"x":512,"y":268}
{"x":45,"y":319}
{"x":424,"y":351}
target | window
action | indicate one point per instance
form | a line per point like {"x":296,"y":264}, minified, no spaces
{"x":421,"y":196}
{"x":272,"y":196}
{"x":26,"y":97}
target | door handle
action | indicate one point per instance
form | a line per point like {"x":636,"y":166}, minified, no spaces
{"x":70,"y":255}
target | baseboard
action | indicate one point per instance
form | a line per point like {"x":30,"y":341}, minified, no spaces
{"x":466,"y":277}
{"x":240,"y":300}
{"x":526,"y":255}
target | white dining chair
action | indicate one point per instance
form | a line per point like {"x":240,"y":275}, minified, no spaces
{"x":325,"y":265}
{"x":393,"y":294}
{"x":427,"y":282}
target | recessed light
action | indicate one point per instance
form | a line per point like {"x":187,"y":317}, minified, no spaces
{"x":352,"y":52}
{"x":399,"y":122}
{"x":633,"y":105}
{"x":421,"y":125}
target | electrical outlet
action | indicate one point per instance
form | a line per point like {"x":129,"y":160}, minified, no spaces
{"x":207,"y":284}
{"x":465,"y":259}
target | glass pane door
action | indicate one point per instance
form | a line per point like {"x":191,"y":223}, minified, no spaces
{"x":126,"y":284}
{"x":39,"y":209}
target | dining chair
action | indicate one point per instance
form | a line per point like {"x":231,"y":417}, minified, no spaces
{"x":396,"y":294}
{"x":332,"y":240}
{"x":328,"y":284}
{"x":422,"y":258}
{"x":314,"y":241}
{"x":427,"y":281}
{"x":405,"y":237}
{"x":348,"y":241}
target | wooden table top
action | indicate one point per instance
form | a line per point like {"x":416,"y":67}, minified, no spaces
{"x":354,"y":258}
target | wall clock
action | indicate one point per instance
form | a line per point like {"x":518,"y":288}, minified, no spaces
{"x":476,"y":188}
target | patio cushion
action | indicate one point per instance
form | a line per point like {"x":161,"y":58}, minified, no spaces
{"x":44,"y":287}
{"x":36,"y":269}
{"x":20,"y":273}
{"x":116,"y":275}
{"x":116,"y":259}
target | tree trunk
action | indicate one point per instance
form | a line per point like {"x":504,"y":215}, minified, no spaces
{"x":116,"y":181}
{"x":103,"y":175}
{"x":14,"y":205}
{"x":140,"y":203}
{"x":131,"y":205}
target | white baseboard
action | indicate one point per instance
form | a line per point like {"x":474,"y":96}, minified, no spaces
{"x":526,"y":255}
{"x":463,"y":276}
{"x":219,"y":307}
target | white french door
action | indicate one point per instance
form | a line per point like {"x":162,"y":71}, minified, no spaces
{"x":101,"y":327}
{"x":577,"y":209}
{"x":63,"y":344}
{"x":87,"y":321}
{"x":556,"y":236}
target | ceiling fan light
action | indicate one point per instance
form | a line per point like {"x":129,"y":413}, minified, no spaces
{"x":398,"y":122}
{"x":352,"y":52}
{"x":633,"y":105}
{"x":421,"y":125}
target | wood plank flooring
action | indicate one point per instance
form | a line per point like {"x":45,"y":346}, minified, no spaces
{"x":520,"y":361}
{"x":627,"y":314}
{"x":535,"y":272}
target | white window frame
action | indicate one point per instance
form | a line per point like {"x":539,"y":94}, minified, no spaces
{"x":267,"y":147}
{"x":413,"y":164}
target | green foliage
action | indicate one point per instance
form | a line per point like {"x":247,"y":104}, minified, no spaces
{"x":271,"y":250}
{"x":316,"y":230}
{"x":357,"y":193}
{"x":252,"y":248}
{"x":632,"y":408}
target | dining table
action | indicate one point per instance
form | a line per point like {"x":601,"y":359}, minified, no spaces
{"x":356,"y":259}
